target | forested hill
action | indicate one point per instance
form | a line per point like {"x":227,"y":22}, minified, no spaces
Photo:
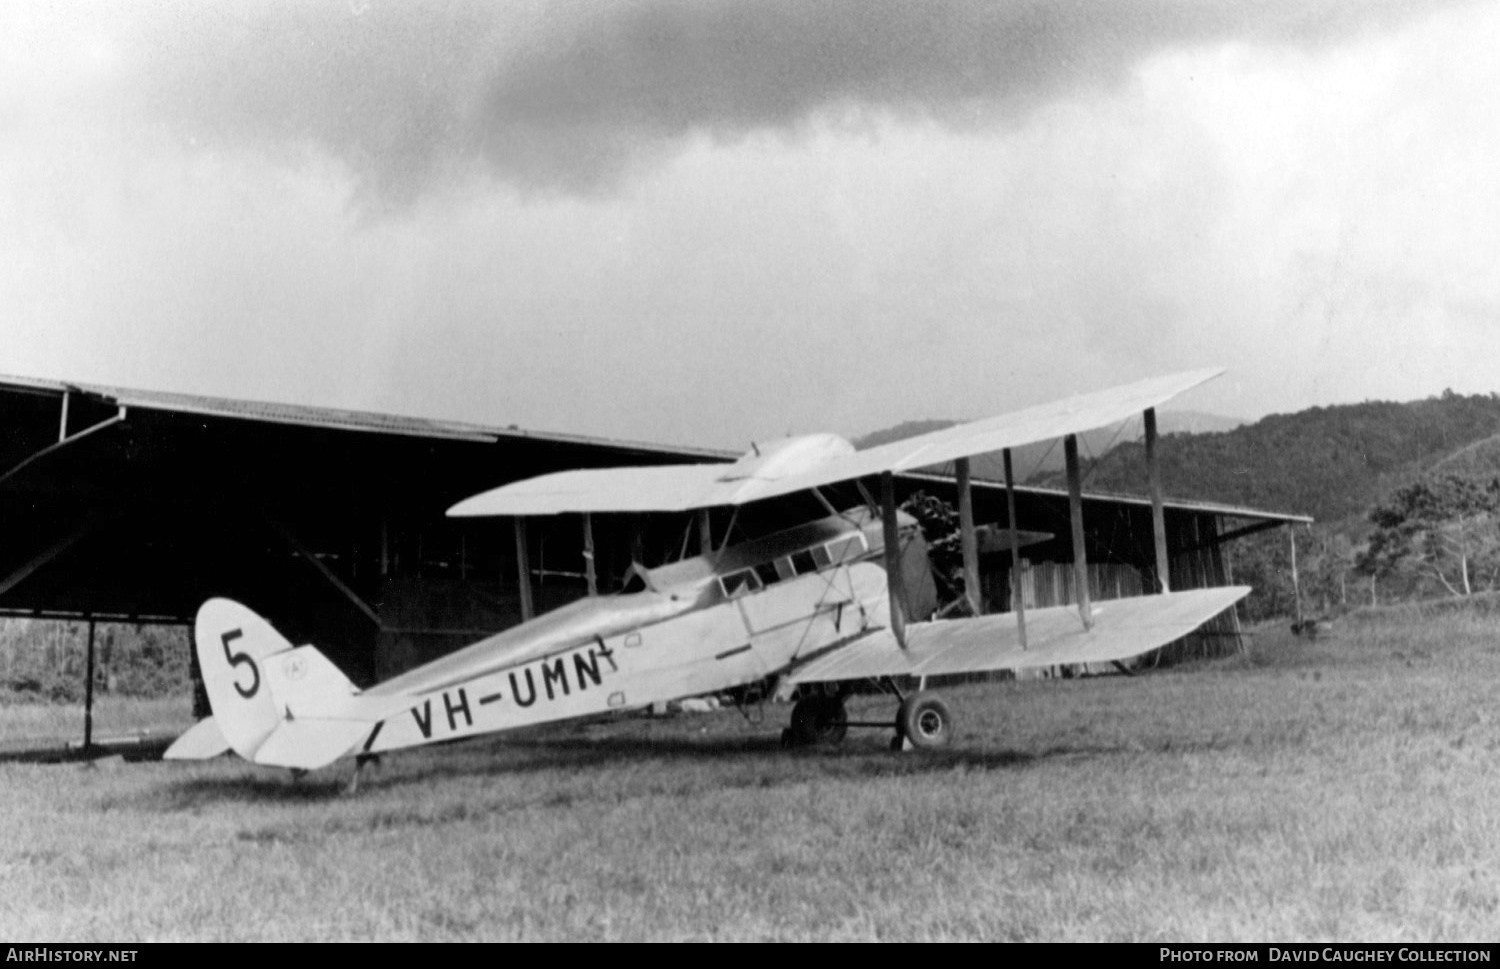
{"x":1328,"y":462}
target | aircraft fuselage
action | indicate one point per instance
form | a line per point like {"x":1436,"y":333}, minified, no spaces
{"x":703,"y":624}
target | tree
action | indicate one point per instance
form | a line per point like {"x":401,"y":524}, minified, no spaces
{"x":1325,"y":572}
{"x":1263,"y":562}
{"x":1442,"y":528}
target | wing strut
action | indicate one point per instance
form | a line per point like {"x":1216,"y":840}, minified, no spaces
{"x":705,"y":533}
{"x":966,"y":534}
{"x":1075,"y":509}
{"x":894,"y":578}
{"x":523,"y":570}
{"x":1018,"y":590}
{"x":637,"y":540}
{"x":734,"y":518}
{"x":823,"y":500}
{"x":589,"y":573}
{"x":1158,"y":515}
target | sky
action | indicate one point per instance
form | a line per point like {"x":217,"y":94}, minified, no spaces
{"x":704,"y":223}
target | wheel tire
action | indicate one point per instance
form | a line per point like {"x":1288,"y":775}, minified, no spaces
{"x":925,"y":720}
{"x":818,"y":720}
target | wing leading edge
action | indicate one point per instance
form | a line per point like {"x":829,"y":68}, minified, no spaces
{"x":798,"y":464}
{"x":1123,"y":629}
{"x":671,"y":487}
{"x":1030,"y":426}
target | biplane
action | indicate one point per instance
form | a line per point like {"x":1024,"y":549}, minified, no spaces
{"x":820,"y":606}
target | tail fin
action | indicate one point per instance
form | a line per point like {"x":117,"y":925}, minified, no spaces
{"x":233,"y":644}
{"x":260,"y":685}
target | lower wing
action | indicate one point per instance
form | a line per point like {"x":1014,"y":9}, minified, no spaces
{"x":1055,"y":636}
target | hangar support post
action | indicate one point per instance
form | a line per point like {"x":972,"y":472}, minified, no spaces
{"x":88,"y":694}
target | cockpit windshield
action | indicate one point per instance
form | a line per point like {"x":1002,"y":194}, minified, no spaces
{"x":801,"y":562}
{"x":740,"y":583}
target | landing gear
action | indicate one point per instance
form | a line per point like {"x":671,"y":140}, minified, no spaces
{"x":820,"y":720}
{"x":360,"y":761}
{"x":924,"y":720}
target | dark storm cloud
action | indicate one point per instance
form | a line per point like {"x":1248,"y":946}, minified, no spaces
{"x":571,"y":96}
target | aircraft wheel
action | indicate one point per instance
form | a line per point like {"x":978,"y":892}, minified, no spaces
{"x":925,"y":720}
{"x":818,"y":720}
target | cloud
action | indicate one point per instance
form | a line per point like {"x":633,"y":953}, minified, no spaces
{"x":574,"y":97}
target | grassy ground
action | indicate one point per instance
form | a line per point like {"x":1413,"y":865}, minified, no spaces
{"x":1343,"y":789}
{"x":28,"y":724}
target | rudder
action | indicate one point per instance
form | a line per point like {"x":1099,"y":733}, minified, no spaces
{"x":233,"y":644}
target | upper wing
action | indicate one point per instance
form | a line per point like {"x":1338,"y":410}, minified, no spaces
{"x":671,"y":487}
{"x":1123,"y":628}
{"x":1041,"y":423}
{"x":817,"y":460}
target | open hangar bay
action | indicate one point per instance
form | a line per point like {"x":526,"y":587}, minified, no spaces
{"x":127,"y":505}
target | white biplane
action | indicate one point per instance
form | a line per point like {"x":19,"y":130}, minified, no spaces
{"x":820,"y":603}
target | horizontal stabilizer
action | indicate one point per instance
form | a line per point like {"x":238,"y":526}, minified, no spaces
{"x":202,"y":741}
{"x":310,"y":744}
{"x":1123,"y":629}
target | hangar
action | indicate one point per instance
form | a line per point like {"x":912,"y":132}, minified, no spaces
{"x":134,"y":505}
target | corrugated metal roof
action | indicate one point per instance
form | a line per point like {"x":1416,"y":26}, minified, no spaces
{"x":334,"y":418}
{"x":376,"y":423}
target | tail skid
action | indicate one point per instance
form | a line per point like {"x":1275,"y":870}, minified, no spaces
{"x":274,"y":703}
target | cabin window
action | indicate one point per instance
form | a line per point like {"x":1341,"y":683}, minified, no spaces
{"x":739,"y":583}
{"x":821,"y":558}
{"x":767,"y":573}
{"x":784,"y":569}
{"x":844,"y":549}
{"x":803,"y":563}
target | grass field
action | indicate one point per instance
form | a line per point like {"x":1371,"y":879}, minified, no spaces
{"x":32,"y":724}
{"x":1347,"y":789}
